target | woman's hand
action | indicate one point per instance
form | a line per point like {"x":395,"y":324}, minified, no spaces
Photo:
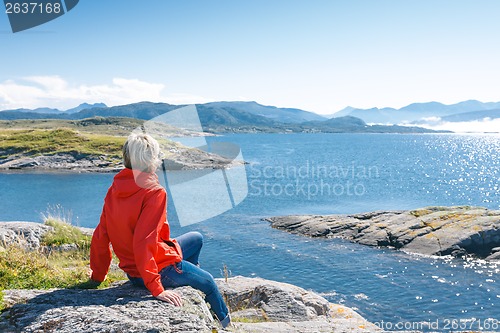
{"x":170,"y":297}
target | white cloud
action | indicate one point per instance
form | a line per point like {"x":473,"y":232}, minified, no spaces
{"x":476,"y":126}
{"x":54,"y":91}
{"x":431,"y":119}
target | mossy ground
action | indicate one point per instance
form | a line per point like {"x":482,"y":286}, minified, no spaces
{"x":34,"y":142}
{"x":116,"y":126}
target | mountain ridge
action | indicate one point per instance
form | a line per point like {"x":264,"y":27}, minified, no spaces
{"x":225,"y":117}
{"x":416,"y":112}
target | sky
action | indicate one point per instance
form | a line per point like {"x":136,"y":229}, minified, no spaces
{"x":320,"y":56}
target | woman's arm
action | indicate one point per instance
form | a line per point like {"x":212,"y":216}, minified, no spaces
{"x":100,"y":253}
{"x":152,"y":217}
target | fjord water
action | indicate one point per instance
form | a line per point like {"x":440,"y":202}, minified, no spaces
{"x":326,"y":174}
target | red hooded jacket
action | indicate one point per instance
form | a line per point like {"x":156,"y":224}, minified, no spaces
{"x":134,"y":222}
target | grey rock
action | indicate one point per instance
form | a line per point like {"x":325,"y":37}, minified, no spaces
{"x":495,"y":249}
{"x":455,"y":231}
{"x":271,"y":306}
{"x":28,"y":235}
{"x":122,"y":308}
{"x":494,"y":256}
{"x":61,"y":162}
{"x":195,"y":159}
{"x":23,"y":163}
{"x":60,"y":248}
{"x":25,"y":234}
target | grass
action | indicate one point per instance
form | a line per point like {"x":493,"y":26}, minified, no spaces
{"x":98,"y":125}
{"x":247,"y":320}
{"x":65,"y":233}
{"x":2,"y":305}
{"x":42,"y":269}
{"x":35,"y":142}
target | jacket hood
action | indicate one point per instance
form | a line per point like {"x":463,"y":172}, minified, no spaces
{"x":128,"y":182}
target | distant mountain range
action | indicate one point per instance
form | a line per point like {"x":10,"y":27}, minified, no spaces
{"x":80,"y":107}
{"x":474,"y":115}
{"x":418,"y":112}
{"x":221,"y":117}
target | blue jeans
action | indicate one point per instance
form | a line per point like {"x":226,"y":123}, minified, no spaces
{"x":187,"y":273}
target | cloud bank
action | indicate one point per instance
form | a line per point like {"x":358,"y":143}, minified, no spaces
{"x":55,"y":92}
{"x":477,"y":126}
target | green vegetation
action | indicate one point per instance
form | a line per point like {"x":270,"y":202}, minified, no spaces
{"x":97,"y":125}
{"x":2,"y":304}
{"x":420,"y":212}
{"x":62,"y":140}
{"x":246,"y":320}
{"x":49,"y":267}
{"x":116,"y":126}
{"x":65,"y":233}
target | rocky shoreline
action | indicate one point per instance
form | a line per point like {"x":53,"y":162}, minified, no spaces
{"x":182,"y":159}
{"x":60,"y":162}
{"x":434,"y":231}
{"x":257,"y":305}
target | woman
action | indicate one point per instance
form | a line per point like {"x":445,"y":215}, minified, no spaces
{"x":133,"y":221}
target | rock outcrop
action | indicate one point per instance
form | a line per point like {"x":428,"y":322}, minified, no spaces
{"x":121,"y":308}
{"x":455,"y":231}
{"x":257,"y":305}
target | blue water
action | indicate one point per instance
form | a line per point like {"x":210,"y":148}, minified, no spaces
{"x":325,"y":174}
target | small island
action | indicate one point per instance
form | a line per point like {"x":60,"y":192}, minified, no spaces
{"x":92,"y":145}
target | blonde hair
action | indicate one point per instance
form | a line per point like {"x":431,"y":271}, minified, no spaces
{"x":141,"y":152}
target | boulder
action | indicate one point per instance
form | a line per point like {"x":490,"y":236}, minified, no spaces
{"x":25,"y":234}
